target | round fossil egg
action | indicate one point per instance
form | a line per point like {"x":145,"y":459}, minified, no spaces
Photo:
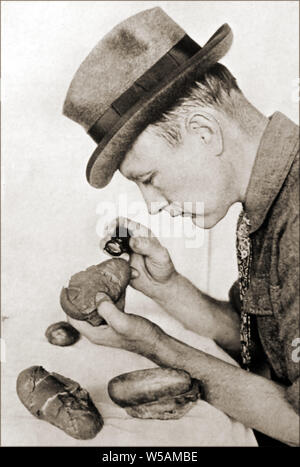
{"x":62,"y":334}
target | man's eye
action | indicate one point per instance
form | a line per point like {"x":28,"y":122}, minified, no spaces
{"x":148,"y":180}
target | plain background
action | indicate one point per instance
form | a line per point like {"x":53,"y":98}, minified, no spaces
{"x":49,"y":212}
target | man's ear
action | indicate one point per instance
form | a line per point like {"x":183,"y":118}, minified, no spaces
{"x":206,"y":127}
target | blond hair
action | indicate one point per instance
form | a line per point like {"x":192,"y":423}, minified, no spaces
{"x":212,"y":90}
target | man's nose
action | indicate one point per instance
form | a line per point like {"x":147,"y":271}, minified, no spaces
{"x":154,"y":201}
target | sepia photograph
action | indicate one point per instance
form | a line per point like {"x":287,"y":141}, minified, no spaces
{"x":150,"y":226}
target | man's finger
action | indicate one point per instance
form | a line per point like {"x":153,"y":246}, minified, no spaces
{"x":120,"y":304}
{"x":149,"y":247}
{"x":135,"y":228}
{"x":100,"y":335}
{"x":115,"y":318}
{"x":86,"y":329}
{"x":134,"y":273}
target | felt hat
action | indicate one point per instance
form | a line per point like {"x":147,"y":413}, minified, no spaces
{"x":139,"y":69}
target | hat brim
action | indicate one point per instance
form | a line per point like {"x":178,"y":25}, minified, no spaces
{"x":108,"y":155}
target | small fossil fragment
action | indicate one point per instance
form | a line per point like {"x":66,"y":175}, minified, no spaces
{"x":62,"y":333}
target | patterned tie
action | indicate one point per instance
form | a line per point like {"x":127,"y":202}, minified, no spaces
{"x":243,"y":246}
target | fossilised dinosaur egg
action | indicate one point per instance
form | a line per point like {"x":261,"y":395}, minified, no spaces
{"x":110,"y":277}
{"x":157,"y":393}
{"x":60,"y":401}
{"x":62,"y":334}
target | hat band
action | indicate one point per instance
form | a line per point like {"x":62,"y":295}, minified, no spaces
{"x":154,"y":76}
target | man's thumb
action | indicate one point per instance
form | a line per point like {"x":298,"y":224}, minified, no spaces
{"x":147,"y":246}
{"x":107,"y":310}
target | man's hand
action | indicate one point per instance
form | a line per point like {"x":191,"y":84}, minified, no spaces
{"x":151,"y":265}
{"x":123,"y":330}
{"x":153,"y":274}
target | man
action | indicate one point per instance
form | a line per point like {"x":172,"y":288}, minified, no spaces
{"x":173,"y":120}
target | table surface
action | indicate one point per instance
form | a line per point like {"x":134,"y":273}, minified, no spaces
{"x":93,"y":366}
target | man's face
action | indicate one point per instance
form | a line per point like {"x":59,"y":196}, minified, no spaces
{"x":184,"y":180}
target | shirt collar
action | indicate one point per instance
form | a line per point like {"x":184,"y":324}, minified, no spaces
{"x":276,"y":152}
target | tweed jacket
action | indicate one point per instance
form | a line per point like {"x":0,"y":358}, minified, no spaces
{"x":272,"y":299}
